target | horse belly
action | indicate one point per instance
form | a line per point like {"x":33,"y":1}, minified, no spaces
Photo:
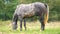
{"x":29,"y":14}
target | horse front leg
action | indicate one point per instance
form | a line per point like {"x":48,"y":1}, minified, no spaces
{"x":25,"y":23}
{"x":42,"y":23}
{"x":20,"y":18}
{"x":20,"y":24}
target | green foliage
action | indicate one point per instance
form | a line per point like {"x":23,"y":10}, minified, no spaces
{"x":7,"y":8}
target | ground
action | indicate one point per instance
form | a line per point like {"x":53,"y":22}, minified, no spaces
{"x":32,"y":28}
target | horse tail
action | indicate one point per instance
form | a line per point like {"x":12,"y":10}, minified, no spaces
{"x":46,"y":14}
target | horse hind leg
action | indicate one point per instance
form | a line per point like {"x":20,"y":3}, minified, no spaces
{"x":42,"y":23}
{"x":20,"y":25}
{"x":15,"y":18}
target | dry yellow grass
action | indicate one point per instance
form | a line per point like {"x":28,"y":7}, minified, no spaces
{"x":37,"y":25}
{"x":32,"y":28}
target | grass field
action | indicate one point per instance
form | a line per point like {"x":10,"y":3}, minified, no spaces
{"x":32,"y":28}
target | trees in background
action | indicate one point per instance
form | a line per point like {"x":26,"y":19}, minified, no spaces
{"x":7,"y":8}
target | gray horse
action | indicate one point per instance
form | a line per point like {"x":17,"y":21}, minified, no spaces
{"x":28,"y":10}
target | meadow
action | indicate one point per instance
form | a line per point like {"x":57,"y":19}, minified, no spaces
{"x":32,"y":28}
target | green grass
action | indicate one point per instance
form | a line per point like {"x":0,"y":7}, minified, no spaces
{"x":32,"y":28}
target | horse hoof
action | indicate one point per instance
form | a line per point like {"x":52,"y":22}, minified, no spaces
{"x":40,"y":30}
{"x":14,"y":28}
{"x":20,"y":29}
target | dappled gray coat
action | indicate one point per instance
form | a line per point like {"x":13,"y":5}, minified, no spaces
{"x":28,"y":10}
